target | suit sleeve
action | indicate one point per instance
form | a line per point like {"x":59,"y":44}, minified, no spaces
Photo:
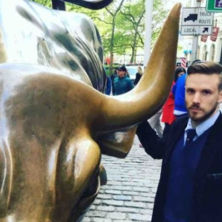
{"x":153,"y":145}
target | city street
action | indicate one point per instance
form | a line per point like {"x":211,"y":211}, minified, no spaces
{"x":129,"y":193}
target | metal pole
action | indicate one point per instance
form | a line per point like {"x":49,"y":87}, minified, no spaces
{"x":194,"y":47}
{"x":148,"y":29}
{"x":195,"y":38}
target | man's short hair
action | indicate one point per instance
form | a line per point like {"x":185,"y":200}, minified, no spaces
{"x":208,"y":68}
{"x":122,"y":68}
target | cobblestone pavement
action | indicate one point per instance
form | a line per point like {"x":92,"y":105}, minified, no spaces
{"x":129,"y":194}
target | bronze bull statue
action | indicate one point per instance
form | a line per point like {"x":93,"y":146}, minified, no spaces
{"x":54,"y":122}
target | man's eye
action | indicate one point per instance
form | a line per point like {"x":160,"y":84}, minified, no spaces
{"x":190,"y":91}
{"x":206,"y":92}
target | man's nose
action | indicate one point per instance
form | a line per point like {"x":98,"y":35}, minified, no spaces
{"x":196,"y":98}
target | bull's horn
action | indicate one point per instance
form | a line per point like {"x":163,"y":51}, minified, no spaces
{"x":153,"y":88}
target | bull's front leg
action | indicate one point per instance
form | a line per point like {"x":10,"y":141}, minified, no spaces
{"x":78,"y":167}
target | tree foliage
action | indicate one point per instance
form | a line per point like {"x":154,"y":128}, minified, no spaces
{"x":122,"y":24}
{"x":159,"y":15}
{"x":47,"y":3}
{"x":132,"y":19}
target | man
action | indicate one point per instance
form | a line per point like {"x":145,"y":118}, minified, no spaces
{"x":122,"y":82}
{"x":190,"y":187}
{"x":179,"y":92}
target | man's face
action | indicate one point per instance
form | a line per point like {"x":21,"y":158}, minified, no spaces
{"x":202,"y":96}
{"x":121,"y":73}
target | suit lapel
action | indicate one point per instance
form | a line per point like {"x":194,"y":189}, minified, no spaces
{"x":176,"y":133}
{"x":209,"y":150}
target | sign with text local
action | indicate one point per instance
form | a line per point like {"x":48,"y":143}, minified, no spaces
{"x":214,"y":5}
{"x":196,"y":30}
{"x":196,"y":21}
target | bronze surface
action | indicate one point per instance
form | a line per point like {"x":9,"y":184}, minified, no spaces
{"x":54,"y":124}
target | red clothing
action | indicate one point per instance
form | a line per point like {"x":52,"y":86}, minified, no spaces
{"x":168,"y":108}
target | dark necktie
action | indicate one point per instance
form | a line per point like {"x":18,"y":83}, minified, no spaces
{"x":191,"y":133}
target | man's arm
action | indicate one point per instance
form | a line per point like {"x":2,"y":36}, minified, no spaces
{"x":153,"y":145}
{"x":130,"y":84}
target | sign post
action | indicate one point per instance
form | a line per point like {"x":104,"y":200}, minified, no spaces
{"x":214,"y":5}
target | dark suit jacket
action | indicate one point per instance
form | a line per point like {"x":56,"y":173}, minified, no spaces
{"x":207,"y":195}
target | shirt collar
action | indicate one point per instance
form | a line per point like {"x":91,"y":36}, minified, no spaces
{"x":205,"y":125}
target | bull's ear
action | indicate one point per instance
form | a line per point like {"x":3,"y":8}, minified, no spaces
{"x":91,"y":4}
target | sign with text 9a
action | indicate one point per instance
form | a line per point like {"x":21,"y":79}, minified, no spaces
{"x":214,"y":5}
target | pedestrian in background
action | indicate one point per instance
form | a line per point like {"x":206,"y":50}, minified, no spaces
{"x":190,"y":184}
{"x":138,"y":75}
{"x":168,"y":108}
{"x":179,"y":94}
{"x":113,"y":76}
{"x":122,"y":83}
{"x":108,"y":87}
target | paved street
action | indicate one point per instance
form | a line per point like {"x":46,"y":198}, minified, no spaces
{"x":129,"y":193}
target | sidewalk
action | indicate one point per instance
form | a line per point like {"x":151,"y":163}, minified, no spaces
{"x":129,"y":193}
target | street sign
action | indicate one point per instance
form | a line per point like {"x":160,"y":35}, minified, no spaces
{"x":214,"y":34}
{"x":196,"y":30}
{"x":196,"y":16}
{"x":189,"y":30}
{"x":205,"y":30}
{"x":196,"y":21}
{"x":214,"y":5}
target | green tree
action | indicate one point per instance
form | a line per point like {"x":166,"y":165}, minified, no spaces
{"x":47,"y":3}
{"x":121,"y":25}
{"x":158,"y":17}
{"x":132,"y":19}
{"x":113,"y":11}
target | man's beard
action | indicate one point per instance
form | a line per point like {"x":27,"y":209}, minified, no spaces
{"x":206,"y":116}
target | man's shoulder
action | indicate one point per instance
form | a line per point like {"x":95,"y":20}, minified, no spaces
{"x":116,"y":78}
{"x":127,"y":78}
{"x":180,"y":122}
{"x":218,"y":124}
{"x":219,"y":119}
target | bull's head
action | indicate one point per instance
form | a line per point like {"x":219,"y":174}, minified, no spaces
{"x":54,"y":127}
